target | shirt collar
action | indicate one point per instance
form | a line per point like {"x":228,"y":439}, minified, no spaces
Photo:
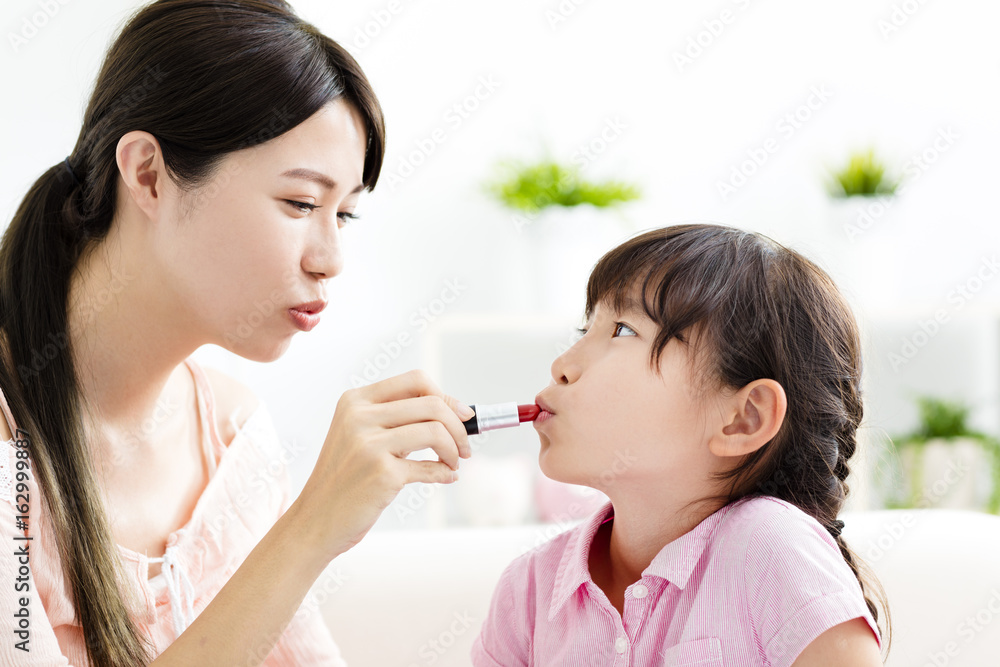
{"x":674,"y":562}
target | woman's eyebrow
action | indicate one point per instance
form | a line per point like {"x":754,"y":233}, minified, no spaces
{"x":316,"y":177}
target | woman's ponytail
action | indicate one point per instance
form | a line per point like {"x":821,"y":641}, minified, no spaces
{"x":38,"y":253}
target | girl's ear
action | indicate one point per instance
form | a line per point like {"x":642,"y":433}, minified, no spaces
{"x":754,"y":415}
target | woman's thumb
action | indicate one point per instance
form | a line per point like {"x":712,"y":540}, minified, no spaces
{"x":464,"y":412}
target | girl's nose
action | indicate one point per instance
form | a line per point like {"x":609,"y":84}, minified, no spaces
{"x":566,"y":368}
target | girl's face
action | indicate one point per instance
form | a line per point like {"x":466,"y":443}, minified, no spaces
{"x":264,"y":235}
{"x":616,"y":423}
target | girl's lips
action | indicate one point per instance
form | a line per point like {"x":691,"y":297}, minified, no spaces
{"x":304,"y":321}
{"x":543,"y":416}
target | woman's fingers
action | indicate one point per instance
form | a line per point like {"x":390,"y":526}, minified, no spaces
{"x":426,"y":409}
{"x":410,"y":385}
{"x":403,"y":440}
{"x":429,"y":472}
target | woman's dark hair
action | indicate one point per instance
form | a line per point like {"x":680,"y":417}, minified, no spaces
{"x":758,"y":310}
{"x":206,"y":78}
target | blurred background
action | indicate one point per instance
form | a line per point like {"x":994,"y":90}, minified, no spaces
{"x":736,"y":112}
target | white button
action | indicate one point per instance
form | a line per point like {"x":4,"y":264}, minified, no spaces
{"x":639,"y":591}
{"x":621,"y":644}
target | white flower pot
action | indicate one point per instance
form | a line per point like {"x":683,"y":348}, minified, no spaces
{"x":563,"y":244}
{"x":956,"y":473}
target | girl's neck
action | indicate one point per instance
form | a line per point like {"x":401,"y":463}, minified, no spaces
{"x":628,"y":541}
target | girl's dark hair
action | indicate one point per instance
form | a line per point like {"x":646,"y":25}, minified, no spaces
{"x":758,"y":310}
{"x":206,"y":78}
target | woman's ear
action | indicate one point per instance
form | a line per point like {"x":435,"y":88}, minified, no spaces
{"x":139,"y":165}
{"x":753,"y":416}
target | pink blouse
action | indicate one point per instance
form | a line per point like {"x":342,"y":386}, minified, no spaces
{"x":248,"y":489}
{"x":750,"y":586}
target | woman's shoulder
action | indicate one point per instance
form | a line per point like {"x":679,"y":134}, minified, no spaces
{"x":234,"y":402}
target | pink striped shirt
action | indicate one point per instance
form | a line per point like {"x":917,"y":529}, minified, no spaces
{"x":248,"y":489}
{"x":752,"y":584}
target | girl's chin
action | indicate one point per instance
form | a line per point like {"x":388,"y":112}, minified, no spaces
{"x":550,"y":467}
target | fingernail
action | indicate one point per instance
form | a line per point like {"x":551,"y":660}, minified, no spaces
{"x":454,"y":475}
{"x":465,"y":412}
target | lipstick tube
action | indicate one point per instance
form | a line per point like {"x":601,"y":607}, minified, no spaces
{"x":492,"y":416}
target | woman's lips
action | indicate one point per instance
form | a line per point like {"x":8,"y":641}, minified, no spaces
{"x":304,"y":321}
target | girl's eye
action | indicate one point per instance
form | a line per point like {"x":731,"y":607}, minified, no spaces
{"x":301,"y":206}
{"x":346,"y":217}
{"x":621,"y":326}
{"x":577,"y":334}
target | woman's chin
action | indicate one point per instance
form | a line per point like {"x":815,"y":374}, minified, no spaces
{"x":261,"y":351}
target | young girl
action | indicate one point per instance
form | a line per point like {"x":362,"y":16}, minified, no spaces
{"x":714,"y":397}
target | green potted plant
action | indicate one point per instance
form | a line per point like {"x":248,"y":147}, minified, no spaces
{"x":565,"y":220}
{"x":862,"y":176}
{"x":944,"y":463}
{"x":529,"y":188}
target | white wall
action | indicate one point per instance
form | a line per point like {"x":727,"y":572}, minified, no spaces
{"x":683,"y":130}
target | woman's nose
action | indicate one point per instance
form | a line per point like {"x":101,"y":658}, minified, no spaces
{"x":325,"y":256}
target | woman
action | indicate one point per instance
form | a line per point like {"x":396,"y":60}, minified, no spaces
{"x":224,"y":147}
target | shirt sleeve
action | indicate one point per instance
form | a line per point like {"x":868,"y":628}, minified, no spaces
{"x":798,"y":586}
{"x":504,"y":638}
{"x":28,"y":641}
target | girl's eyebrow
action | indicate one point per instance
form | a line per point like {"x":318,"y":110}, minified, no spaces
{"x":632,"y":305}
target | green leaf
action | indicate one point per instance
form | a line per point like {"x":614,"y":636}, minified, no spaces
{"x":532,"y":187}
{"x":864,"y":175}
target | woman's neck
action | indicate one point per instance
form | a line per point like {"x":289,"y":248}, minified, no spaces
{"x":124,"y":354}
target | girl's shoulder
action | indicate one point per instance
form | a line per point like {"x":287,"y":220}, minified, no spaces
{"x":760,"y":532}
{"x":764,"y":538}
{"x":767,"y":516}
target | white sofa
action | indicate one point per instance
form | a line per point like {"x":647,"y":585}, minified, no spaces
{"x":410,"y":598}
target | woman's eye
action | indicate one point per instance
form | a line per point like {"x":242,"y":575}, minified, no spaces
{"x":346,"y":217}
{"x":301,"y":206}
{"x":577,"y":334}
{"x":621,"y":327}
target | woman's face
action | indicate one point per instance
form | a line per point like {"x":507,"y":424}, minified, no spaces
{"x":241,"y":253}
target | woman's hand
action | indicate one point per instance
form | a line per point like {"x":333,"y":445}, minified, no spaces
{"x":363,"y":466}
